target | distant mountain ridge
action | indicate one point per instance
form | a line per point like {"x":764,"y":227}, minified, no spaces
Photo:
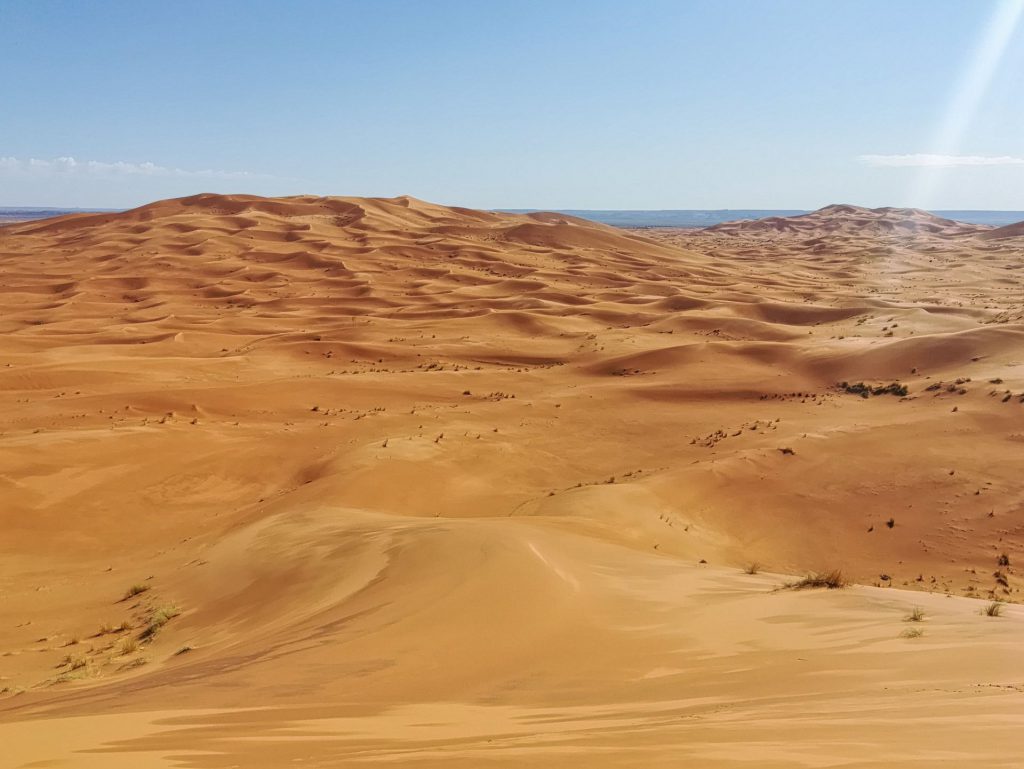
{"x":847,"y":219}
{"x":701,"y":218}
{"x":638,"y":219}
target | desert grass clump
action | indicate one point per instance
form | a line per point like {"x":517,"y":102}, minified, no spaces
{"x":994,"y":609}
{"x":107,"y":629}
{"x":1003,"y":560}
{"x":135,"y":590}
{"x":752,"y":568}
{"x":160,"y":617}
{"x":917,"y":615}
{"x":127,"y":646}
{"x":832,"y":580}
{"x":84,"y":670}
{"x":76,"y":662}
{"x":912,"y":632}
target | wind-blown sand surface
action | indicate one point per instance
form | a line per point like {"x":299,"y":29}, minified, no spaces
{"x":406,"y":485}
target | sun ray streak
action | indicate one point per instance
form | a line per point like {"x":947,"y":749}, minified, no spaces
{"x":967,"y":95}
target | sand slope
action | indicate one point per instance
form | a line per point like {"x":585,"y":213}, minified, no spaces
{"x":441,"y":487}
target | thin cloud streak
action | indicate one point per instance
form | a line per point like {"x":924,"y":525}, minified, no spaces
{"x":95,"y":168}
{"x":925,"y":160}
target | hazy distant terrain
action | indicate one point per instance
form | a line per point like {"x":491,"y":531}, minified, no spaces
{"x":27,"y":213}
{"x":666,"y":218}
{"x":706,"y":218}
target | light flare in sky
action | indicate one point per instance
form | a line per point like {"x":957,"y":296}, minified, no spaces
{"x":967,"y":95}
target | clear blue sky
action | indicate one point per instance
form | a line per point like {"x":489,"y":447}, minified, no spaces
{"x":643,"y":104}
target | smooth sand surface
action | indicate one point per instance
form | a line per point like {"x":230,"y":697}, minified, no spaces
{"x":407,"y":485}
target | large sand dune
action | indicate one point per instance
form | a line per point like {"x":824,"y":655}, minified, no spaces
{"x":396,"y":483}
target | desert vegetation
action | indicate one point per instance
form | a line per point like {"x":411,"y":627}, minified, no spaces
{"x":833,"y":579}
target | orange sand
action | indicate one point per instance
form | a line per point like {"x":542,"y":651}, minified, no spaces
{"x":437,"y":487}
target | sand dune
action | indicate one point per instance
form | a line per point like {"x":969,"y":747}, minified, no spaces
{"x":341,"y":481}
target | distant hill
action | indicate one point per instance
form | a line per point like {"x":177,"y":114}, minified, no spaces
{"x":845,"y":219}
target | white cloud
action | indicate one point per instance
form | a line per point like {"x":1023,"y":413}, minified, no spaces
{"x":70,"y":166}
{"x":939,"y":161}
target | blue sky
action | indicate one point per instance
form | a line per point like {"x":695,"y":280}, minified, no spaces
{"x":555,"y":104}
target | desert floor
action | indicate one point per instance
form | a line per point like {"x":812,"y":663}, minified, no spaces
{"x":334,"y":482}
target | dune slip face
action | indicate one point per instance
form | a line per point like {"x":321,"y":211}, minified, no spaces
{"x":348,"y":481}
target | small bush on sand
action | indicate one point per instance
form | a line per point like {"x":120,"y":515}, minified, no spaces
{"x":864,"y":391}
{"x":832,"y":580}
{"x":127,"y":646}
{"x":917,"y":615}
{"x":752,"y":568}
{"x":912,"y":632}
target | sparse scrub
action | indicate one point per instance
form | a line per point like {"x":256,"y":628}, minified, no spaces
{"x":752,"y":568}
{"x":917,"y":615}
{"x":912,"y":632}
{"x":865,"y":391}
{"x":832,"y":580}
{"x":76,"y":662}
{"x":160,"y":617}
{"x":127,"y":646}
{"x":135,"y":590}
{"x":1003,"y":560}
{"x":994,"y":609}
{"x":74,"y":674}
